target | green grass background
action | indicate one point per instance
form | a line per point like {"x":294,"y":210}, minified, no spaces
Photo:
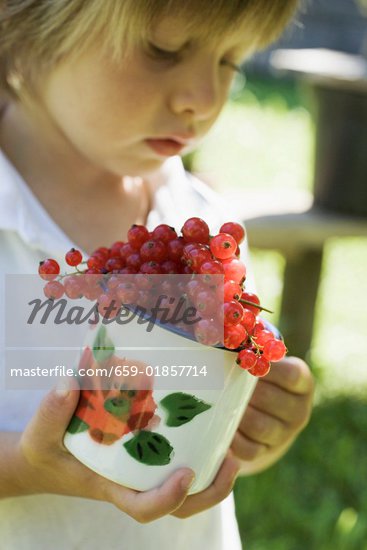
{"x":315,"y":498}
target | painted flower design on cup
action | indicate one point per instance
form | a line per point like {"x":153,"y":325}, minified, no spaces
{"x":129,"y":408}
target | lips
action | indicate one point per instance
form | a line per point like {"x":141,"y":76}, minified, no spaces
{"x":165,"y":147}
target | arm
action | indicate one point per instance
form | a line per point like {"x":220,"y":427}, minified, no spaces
{"x":36,"y":462}
{"x":11,"y":466}
{"x":279,"y":409}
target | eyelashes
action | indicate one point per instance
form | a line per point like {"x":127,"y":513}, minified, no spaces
{"x":164,"y":55}
{"x":175,"y":56}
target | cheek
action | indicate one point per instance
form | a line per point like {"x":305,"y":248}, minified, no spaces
{"x":88,"y":99}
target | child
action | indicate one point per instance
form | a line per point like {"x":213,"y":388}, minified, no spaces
{"x":98,"y":99}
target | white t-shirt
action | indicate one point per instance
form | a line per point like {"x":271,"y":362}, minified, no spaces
{"x":43,"y":522}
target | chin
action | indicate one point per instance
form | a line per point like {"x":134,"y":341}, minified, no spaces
{"x":142,"y":167}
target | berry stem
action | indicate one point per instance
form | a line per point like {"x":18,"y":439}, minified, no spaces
{"x":256,"y":305}
{"x":62,"y":276}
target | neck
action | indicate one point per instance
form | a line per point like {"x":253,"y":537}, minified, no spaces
{"x":41,"y":153}
{"x":66,"y":182}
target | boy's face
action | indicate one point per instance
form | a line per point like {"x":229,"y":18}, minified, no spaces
{"x":128,"y":117}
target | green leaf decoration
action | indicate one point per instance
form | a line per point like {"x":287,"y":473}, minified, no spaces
{"x":77,"y":425}
{"x":182,"y":408}
{"x":118,"y":406}
{"x":103,"y":346}
{"x":150,"y":448}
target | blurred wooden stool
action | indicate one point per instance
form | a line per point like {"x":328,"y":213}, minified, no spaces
{"x":300,"y":237}
{"x":337,"y":83}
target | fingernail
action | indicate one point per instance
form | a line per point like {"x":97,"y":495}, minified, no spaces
{"x":62,"y":388}
{"x":187,"y":481}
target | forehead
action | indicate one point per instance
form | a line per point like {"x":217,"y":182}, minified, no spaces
{"x":216,"y":15}
{"x":180,"y":28}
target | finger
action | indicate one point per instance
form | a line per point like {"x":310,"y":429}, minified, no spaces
{"x":263,"y":428}
{"x":292,"y":374}
{"x":245,"y":448}
{"x":215,"y":493}
{"x":269,"y":398}
{"x":150,"y":505}
{"x":47,"y":427}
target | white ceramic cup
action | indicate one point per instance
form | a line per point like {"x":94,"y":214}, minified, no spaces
{"x":138,"y":444}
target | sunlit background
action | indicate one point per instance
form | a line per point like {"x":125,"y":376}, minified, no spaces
{"x":260,"y":156}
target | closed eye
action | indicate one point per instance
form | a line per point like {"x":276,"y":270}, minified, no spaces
{"x":159,"y":53}
{"x":175,"y":55}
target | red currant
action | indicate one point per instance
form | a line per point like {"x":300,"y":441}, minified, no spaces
{"x":261,"y":368}
{"x":103,"y":250}
{"x":260,"y":326}
{"x":151,"y":268}
{"x":114,"y":264}
{"x":188,"y":247}
{"x":195,"y":230}
{"x":231,"y":291}
{"x":155,"y":251}
{"x":127,"y":293}
{"x":144,"y":299}
{"x":169,"y":266}
{"x":264,"y":336}
{"x":115,"y":249}
{"x":197,"y":256}
{"x":49,"y":269}
{"x":234,"y":336}
{"x":128,"y":270}
{"x":74,"y":286}
{"x":108,"y":306}
{"x":143,"y":282}
{"x":211,"y":267}
{"x":113,"y":281}
{"x":223,"y":246}
{"x":207,"y":333}
{"x":246,"y":359}
{"x":206,"y":303}
{"x":175,"y":249}
{"x":162,"y":252}
{"x":134,"y":260}
{"x":53,"y":290}
{"x":232,"y":313}
{"x":92,"y":289}
{"x":274,"y":350}
{"x":254,"y":299}
{"x":96,"y":261}
{"x":234,"y":229}
{"x":126,"y":250}
{"x":137,"y":236}
{"x":248,"y":320}
{"x":234,"y":270}
{"x":164,"y":233}
{"x":73,"y":257}
{"x":193,"y":287}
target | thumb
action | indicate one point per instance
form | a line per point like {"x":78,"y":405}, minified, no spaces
{"x":48,"y":425}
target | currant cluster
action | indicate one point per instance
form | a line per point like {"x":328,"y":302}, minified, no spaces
{"x":236,"y":325}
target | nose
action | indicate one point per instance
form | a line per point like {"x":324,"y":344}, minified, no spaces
{"x":196,"y":93}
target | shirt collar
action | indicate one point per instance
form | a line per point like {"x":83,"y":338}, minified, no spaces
{"x":20,"y":211}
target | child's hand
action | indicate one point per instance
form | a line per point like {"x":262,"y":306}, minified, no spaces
{"x":279,"y":409}
{"x":47,"y":467}
{"x":215,"y":493}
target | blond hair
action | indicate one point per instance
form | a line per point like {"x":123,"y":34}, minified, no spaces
{"x":36,"y":34}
